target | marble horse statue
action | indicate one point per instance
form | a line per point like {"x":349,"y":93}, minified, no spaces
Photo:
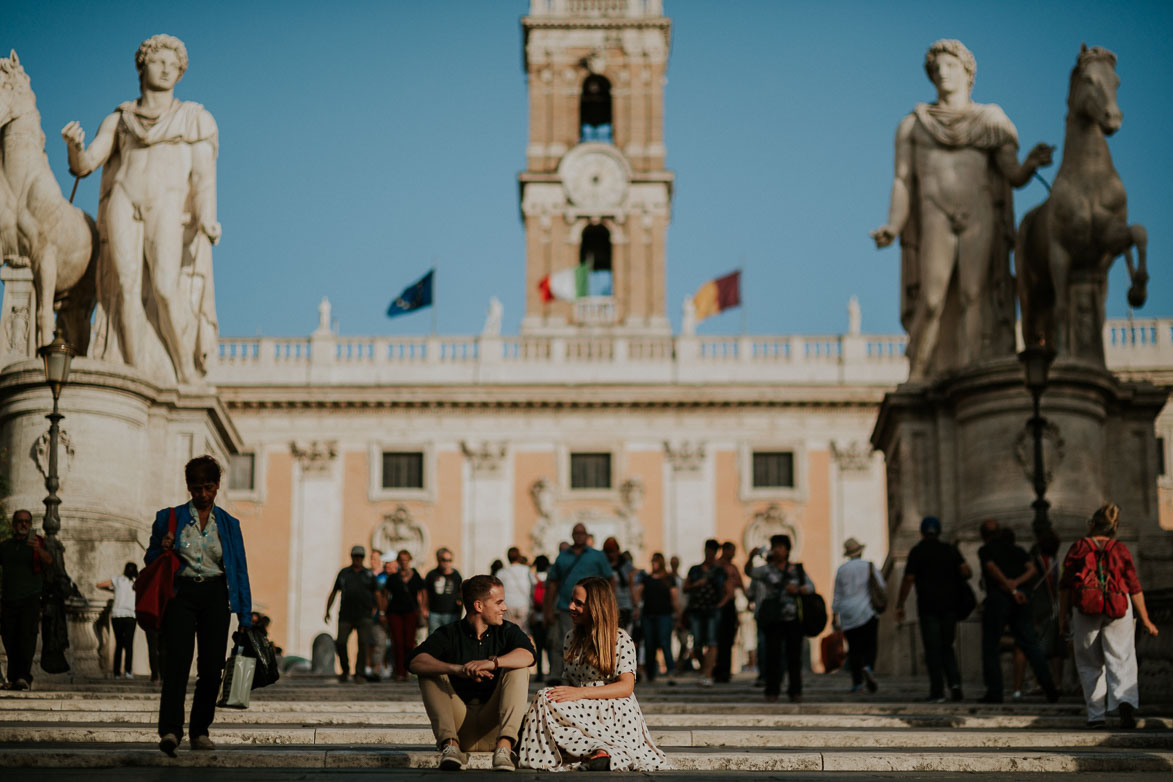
{"x":59,"y":241}
{"x":1066,"y":245}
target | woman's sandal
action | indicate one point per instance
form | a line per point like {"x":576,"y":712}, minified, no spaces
{"x":599,"y":761}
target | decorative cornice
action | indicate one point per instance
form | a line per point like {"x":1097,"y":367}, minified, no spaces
{"x":685,"y":456}
{"x":316,"y":456}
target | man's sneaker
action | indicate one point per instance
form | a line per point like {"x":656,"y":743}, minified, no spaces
{"x":1127,"y":716}
{"x":705,"y":682}
{"x":503,"y":759}
{"x":452,"y":758}
{"x":202,"y":743}
{"x":342,"y":677}
{"x":22,"y":684}
{"x":870,"y":679}
{"x":168,"y":743}
{"x":128,"y":675}
{"x":955,"y":693}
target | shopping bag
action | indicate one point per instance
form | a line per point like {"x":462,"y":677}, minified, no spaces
{"x":833,"y":652}
{"x":258,"y":647}
{"x":238,"y":681}
{"x":155,"y":586}
{"x":876,"y":594}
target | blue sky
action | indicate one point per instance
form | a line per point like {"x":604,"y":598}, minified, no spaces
{"x":361,"y":142}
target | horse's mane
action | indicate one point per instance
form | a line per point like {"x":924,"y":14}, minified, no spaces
{"x":1088,"y":56}
{"x":13,"y":73}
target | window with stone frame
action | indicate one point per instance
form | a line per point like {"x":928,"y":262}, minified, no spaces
{"x":242,"y":469}
{"x":773,"y":469}
{"x":403,"y":470}
{"x":590,"y":471}
{"x":594,"y":109}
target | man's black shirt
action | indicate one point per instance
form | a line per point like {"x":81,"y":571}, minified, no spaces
{"x":1010,"y":559}
{"x":22,"y":570}
{"x":358,"y":594}
{"x":443,"y":598}
{"x":937,"y":568}
{"x":457,"y":643}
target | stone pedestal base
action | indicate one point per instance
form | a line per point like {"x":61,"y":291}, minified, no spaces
{"x":122,"y":449}
{"x":960,"y":449}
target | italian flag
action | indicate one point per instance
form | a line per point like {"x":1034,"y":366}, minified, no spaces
{"x":566,"y":285}
{"x":718,"y":295}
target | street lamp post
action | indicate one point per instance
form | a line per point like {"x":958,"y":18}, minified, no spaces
{"x":1036,"y":361}
{"x":57,"y":356}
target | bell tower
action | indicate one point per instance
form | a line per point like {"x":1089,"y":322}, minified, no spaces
{"x":595,"y":196}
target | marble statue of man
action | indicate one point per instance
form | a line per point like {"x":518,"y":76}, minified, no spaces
{"x":951,"y":205}
{"x":156,"y":210}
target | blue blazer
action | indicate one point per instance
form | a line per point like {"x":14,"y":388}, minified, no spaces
{"x":232,"y":544}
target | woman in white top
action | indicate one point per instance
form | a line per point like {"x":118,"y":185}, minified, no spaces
{"x":855,"y":615}
{"x":123,"y":619}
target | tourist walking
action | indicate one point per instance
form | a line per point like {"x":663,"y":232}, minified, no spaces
{"x":939,"y":573}
{"x":24,"y":561}
{"x":407,"y":605}
{"x":776,"y":586}
{"x":707,"y":590}
{"x":855,"y":615}
{"x":1006,"y":568}
{"x":593,"y":722}
{"x":624,"y":573}
{"x":727,"y":622}
{"x":1100,"y":590}
{"x":519,"y":583}
{"x":1043,"y":593}
{"x":474,"y":677}
{"x":442,"y":583}
{"x":537,"y":617}
{"x":357,"y":611}
{"x":658,"y":602}
{"x":577,"y":562}
{"x":122,"y":619}
{"x":211,"y":583}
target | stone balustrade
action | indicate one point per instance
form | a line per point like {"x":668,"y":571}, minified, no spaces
{"x":850,"y":359}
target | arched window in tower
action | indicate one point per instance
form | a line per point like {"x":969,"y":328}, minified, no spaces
{"x":594,"y":252}
{"x":594,"y":109}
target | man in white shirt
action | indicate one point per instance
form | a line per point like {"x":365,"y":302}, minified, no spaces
{"x":855,"y":615}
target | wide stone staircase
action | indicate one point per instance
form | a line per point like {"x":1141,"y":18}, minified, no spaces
{"x":311,"y":722}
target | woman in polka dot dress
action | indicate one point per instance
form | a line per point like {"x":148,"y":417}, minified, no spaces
{"x":594,"y":723}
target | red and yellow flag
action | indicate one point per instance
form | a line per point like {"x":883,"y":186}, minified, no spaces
{"x":718,"y":295}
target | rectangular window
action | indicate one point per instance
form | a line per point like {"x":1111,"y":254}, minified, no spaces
{"x":403,"y":470}
{"x":773,"y":470}
{"x":242,"y":471}
{"x":1160,"y":456}
{"x":590,"y":471}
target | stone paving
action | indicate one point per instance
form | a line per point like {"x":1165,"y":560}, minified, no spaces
{"x":317,"y":723}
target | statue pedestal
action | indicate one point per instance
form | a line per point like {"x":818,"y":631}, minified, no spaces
{"x":960,"y":449}
{"x":123,"y":445}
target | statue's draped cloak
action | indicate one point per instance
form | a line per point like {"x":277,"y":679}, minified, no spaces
{"x":981,"y":126}
{"x":183,"y":122}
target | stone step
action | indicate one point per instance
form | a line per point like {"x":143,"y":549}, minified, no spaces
{"x":310,"y":757}
{"x":681,"y":737}
{"x":145,"y":714}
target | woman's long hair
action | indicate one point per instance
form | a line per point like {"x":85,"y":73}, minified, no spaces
{"x":593,"y":642}
{"x":130,"y":571}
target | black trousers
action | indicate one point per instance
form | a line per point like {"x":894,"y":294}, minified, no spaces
{"x":726,"y":635}
{"x":364,"y":627}
{"x":999,"y":610}
{"x":861,"y":648}
{"x":19,"y":620}
{"x":783,"y":637}
{"x":197,"y":617}
{"x":123,"y":643}
{"x":937,"y":633}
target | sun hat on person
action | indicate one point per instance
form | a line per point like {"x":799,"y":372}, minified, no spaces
{"x":852,"y":547}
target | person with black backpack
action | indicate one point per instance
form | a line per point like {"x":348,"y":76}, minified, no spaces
{"x":706,"y":588}
{"x":1101,"y":584}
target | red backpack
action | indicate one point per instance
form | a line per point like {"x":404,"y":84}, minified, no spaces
{"x":1095,"y":585}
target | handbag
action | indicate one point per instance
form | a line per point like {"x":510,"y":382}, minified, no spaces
{"x":155,"y":586}
{"x":238,"y":680}
{"x":876,"y":594}
{"x":833,"y":652}
{"x":812,"y":609}
{"x":256,"y":646}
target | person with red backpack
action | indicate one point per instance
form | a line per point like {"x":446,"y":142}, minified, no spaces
{"x":1100,"y":583}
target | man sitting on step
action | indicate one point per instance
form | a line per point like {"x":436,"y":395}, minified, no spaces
{"x":474,"y":678}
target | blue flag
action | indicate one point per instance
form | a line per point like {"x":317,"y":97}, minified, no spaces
{"x":414,"y":297}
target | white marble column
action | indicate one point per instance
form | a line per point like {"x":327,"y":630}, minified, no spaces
{"x":315,"y":540}
{"x":487,"y":510}
{"x":690,"y":515}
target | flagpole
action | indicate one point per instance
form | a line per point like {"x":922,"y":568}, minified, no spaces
{"x":435,"y":265}
{"x":740,"y":287}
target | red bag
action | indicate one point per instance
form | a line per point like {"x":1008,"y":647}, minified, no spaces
{"x":155,"y":586}
{"x":1096,"y":587}
{"x":833,"y":652}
